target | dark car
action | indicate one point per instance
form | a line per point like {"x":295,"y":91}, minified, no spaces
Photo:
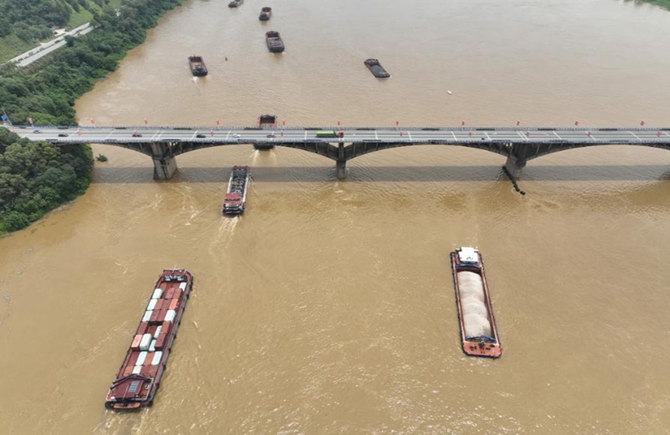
{"x":200,"y":136}
{"x":136,"y":134}
{"x":63,"y":135}
{"x":270,"y":135}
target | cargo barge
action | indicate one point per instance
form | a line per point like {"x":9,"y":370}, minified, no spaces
{"x":267,"y":121}
{"x":197,"y":65}
{"x":140,"y":374}
{"x":265,"y":14}
{"x":274,"y":42}
{"x":376,"y":69}
{"x":479,"y":333}
{"x":236,"y":195}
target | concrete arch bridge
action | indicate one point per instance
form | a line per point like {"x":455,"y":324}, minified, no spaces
{"x":341,"y":144}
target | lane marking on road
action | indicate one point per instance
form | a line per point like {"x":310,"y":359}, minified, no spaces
{"x":376,"y":135}
{"x":522,"y":136}
{"x":110,"y":133}
{"x":409,"y":135}
{"x":636,"y":136}
{"x":454,"y":135}
{"x":193,"y":137}
{"x":556,"y":134}
{"x":228,"y":135}
{"x":487,"y":136}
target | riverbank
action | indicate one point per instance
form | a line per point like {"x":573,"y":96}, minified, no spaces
{"x":46,"y":95}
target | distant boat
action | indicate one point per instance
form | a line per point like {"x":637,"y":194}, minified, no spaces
{"x":235,"y":3}
{"x":274,"y":42}
{"x":376,"y":69}
{"x":267,"y":121}
{"x":197,"y":65}
{"x":266,"y":13}
{"x":449,"y":92}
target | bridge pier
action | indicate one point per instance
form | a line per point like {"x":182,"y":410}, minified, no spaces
{"x":515,"y":165}
{"x":341,"y":167}
{"x":165,"y":165}
{"x":341,"y":162}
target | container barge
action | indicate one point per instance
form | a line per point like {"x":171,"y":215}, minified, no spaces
{"x":274,"y":42}
{"x":479,"y":333}
{"x":197,"y":65}
{"x":266,"y":13}
{"x":140,"y":374}
{"x":376,"y":69}
{"x":236,"y":196}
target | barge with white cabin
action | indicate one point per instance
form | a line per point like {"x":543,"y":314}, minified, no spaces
{"x":479,"y":333}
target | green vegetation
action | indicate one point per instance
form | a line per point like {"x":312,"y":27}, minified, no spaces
{"x":101,"y":158}
{"x":36,"y":177}
{"x":662,"y":3}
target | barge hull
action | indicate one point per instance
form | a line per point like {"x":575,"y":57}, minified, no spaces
{"x":140,"y":374}
{"x":485,"y":345}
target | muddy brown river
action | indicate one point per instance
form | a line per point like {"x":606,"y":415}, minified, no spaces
{"x":328,"y":308}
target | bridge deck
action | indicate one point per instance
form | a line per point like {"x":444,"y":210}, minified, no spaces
{"x":409,"y":135}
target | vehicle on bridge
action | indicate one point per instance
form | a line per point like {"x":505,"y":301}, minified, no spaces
{"x":140,"y":374}
{"x":236,"y":195}
{"x":479,"y":334}
{"x":327,"y":133}
{"x":197,"y":65}
{"x":265,"y":14}
{"x":376,"y":69}
{"x":274,"y":42}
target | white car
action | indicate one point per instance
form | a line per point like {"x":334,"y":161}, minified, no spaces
{"x":236,"y":135}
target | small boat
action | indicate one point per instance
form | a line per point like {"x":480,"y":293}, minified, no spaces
{"x":479,"y":334}
{"x":376,"y":69}
{"x":140,"y":374}
{"x":274,"y":42}
{"x":266,"y":13}
{"x":236,"y":195}
{"x":235,"y":3}
{"x":197,"y":65}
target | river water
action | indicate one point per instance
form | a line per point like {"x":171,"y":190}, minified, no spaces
{"x":328,"y":308}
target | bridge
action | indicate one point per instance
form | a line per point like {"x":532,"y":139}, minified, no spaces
{"x":517,"y":144}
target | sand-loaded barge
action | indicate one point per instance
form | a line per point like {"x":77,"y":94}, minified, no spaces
{"x":140,"y":374}
{"x":479,"y":333}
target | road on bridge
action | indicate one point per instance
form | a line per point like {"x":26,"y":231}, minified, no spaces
{"x":111,"y":135}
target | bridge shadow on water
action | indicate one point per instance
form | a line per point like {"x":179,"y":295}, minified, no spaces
{"x":371,"y":174}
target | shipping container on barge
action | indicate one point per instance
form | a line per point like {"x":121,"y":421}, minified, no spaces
{"x":140,"y":374}
{"x":479,"y":333}
{"x":274,"y":42}
{"x":197,"y":65}
{"x":236,"y":195}
{"x":376,"y":69}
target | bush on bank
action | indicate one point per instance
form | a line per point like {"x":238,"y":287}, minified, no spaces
{"x":36,"y":177}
